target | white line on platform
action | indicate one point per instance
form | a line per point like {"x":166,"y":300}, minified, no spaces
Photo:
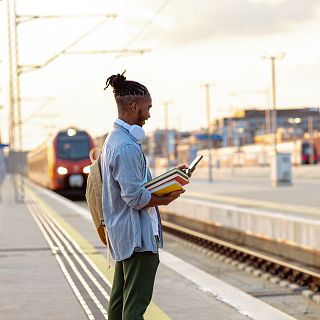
{"x":66,"y":202}
{"x":86,"y":214}
{"x":78,"y":210}
{"x":243,"y":302}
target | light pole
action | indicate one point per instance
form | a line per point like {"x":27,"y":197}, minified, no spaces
{"x":166,"y":128}
{"x":273,"y":58}
{"x":267,"y":112}
{"x":1,"y":107}
{"x":207,"y":91}
{"x":280,"y":162}
{"x":310,"y":129}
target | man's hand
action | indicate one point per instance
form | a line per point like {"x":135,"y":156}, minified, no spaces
{"x":173,"y":195}
{"x":184,"y":168}
{"x":164,"y":200}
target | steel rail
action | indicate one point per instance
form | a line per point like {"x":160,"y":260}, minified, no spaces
{"x":274,"y":266}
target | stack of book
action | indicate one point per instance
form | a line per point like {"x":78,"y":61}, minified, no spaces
{"x":171,"y":180}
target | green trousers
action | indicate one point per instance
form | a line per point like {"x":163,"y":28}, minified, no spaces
{"x":132,"y":286}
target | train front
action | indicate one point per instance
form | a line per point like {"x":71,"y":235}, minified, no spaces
{"x":71,"y":161}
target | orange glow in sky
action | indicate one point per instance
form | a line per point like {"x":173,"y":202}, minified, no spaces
{"x":190,"y":42}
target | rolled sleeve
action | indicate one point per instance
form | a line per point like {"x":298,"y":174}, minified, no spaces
{"x":129,"y":171}
{"x":145,"y":199}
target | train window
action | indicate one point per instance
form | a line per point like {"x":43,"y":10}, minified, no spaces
{"x":73,"y":147}
{"x":306,"y":149}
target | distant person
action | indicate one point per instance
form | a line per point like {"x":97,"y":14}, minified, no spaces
{"x":2,"y":171}
{"x":130,"y":210}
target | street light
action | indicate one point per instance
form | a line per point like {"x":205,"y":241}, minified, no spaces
{"x":311,"y":142}
{"x":166,"y":127}
{"x":272,"y":58}
{"x":207,"y":87}
{"x":1,"y":107}
{"x":280,"y":163}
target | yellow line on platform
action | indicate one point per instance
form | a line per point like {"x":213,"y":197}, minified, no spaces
{"x":253,"y":203}
{"x":153,"y":311}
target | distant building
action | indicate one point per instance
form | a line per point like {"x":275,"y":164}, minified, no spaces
{"x":248,"y":126}
{"x":162,"y":142}
{"x":245,"y":127}
{"x":179,"y":147}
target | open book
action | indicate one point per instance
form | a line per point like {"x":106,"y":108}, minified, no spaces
{"x":167,"y":182}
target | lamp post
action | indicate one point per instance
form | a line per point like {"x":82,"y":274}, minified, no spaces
{"x":311,"y":150}
{"x":207,"y":92}
{"x":1,"y":107}
{"x":273,"y":58}
{"x":166,"y":127}
{"x":280,"y":162}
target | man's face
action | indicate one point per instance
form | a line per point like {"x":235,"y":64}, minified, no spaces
{"x":144,"y":111}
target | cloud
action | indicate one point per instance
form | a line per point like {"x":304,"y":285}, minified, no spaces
{"x":202,"y":19}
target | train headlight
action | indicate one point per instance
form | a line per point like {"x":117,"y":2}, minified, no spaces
{"x":86,"y":170}
{"x":71,"y":132}
{"x":62,"y":170}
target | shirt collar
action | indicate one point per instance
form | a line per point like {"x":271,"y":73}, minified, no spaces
{"x":117,"y":126}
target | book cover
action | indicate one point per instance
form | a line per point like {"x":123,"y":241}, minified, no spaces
{"x":176,"y":177}
{"x":166,"y":188}
{"x":166,"y":175}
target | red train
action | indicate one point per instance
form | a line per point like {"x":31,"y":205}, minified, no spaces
{"x":62,"y":163}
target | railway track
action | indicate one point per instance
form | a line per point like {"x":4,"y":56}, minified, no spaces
{"x":257,"y":262}
{"x":92,"y":290}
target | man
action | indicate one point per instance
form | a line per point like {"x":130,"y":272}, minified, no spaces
{"x":130,"y":210}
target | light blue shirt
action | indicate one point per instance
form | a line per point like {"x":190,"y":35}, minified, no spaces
{"x":124,"y":197}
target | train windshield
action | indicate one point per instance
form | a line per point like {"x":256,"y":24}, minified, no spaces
{"x":306,"y":148}
{"x":75,"y":147}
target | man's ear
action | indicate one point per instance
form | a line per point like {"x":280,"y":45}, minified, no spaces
{"x":134,"y":107}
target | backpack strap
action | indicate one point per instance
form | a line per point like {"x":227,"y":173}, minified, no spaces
{"x":99,"y":164}
{"x":94,"y":154}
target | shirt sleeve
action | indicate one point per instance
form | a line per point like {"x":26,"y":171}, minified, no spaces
{"x":129,"y":171}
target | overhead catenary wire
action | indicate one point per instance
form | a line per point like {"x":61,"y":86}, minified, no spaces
{"x":130,"y":42}
{"x":28,"y":68}
{"x":146,"y":25}
{"x":27,"y":18}
{"x":47,"y":103}
{"x":15,"y":123}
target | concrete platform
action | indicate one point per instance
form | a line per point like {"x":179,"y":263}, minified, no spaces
{"x":300,"y":199}
{"x":276,"y":225}
{"x":45,"y":232}
{"x":32,"y":285}
{"x":288,"y":213}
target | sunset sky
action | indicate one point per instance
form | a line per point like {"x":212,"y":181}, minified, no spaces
{"x":191,"y":42}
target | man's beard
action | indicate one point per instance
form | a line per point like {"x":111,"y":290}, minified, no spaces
{"x":141,"y":119}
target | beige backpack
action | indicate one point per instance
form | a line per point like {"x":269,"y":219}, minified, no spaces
{"x":94,"y":194}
